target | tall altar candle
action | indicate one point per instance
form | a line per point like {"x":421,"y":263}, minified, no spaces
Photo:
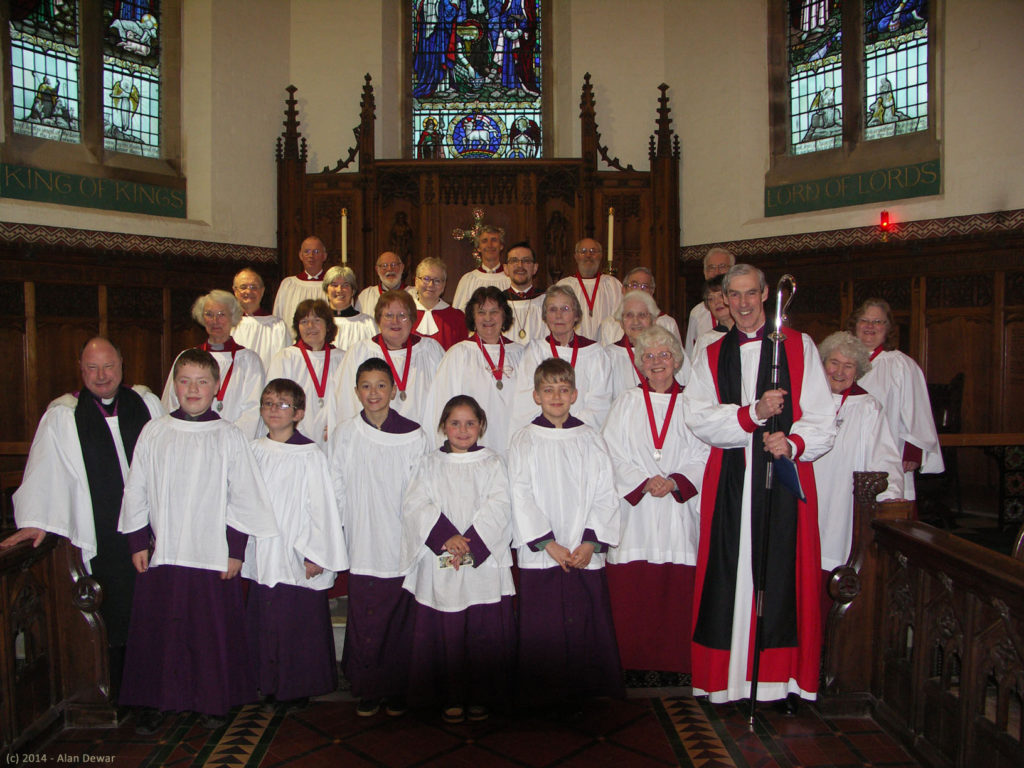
{"x":611,"y":234}
{"x":344,"y":235}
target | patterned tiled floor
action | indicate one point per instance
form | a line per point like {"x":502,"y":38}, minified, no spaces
{"x":640,"y":732}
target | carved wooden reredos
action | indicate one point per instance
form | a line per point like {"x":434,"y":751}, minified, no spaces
{"x":412,"y":206}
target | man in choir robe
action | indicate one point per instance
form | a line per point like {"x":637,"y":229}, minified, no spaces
{"x":490,"y":242}
{"x":637,"y":279}
{"x":599,"y":294}
{"x":258,"y":330}
{"x":434,"y":316}
{"x":390,"y":270}
{"x":305,"y":285}
{"x":74,"y":480}
{"x":526,"y":301}
{"x":717,"y":261}
{"x":728,"y":404}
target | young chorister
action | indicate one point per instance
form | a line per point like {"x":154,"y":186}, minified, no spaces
{"x":565,"y":515}
{"x":456,"y":533}
{"x":372,"y":456}
{"x":288,"y":619}
{"x":192,"y":498}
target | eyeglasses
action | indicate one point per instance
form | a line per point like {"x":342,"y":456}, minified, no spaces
{"x":391,"y":317}
{"x":718,"y":269}
{"x":211,"y":315}
{"x":589,"y":251}
{"x":431,"y":280}
{"x":636,"y":315}
{"x":269,"y":405}
{"x":520,"y":261}
{"x":635,"y":286}
{"x":865,"y":321}
{"x":552,"y":309}
{"x":663,"y":357}
{"x":389,"y":265}
{"x":247,"y":287}
{"x":308,"y":321}
{"x":313,"y":251}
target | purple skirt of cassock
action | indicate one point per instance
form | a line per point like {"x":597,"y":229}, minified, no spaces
{"x":378,"y":636}
{"x":186,"y":643}
{"x":463,"y":657}
{"x":567,"y":645}
{"x":291,"y":642}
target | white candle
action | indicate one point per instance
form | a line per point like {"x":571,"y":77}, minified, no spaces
{"x":611,"y":234}
{"x":344,"y":235}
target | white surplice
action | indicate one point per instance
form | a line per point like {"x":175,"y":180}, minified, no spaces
{"x":528,"y":317}
{"x":299,"y":484}
{"x":609,"y":294}
{"x":266,"y":335}
{"x":293,"y":292}
{"x":353,"y":329}
{"x":290,"y":364}
{"x":478,"y":278}
{"x":700,"y":322}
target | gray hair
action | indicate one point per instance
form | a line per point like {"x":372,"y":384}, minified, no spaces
{"x":251,"y":271}
{"x":345,"y":273}
{"x":432,"y":261}
{"x":634,"y":270}
{"x":743,"y":269}
{"x":561,"y":290}
{"x":217,"y":296}
{"x":656,"y":336}
{"x":642,"y":296}
{"x":712,"y":251}
{"x":848,"y":345}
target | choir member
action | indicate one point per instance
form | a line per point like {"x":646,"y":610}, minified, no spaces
{"x":304,"y":285}
{"x":288,"y":618}
{"x":593,"y":370}
{"x":390,"y":269}
{"x":599,"y":293}
{"x":565,"y":515}
{"x":659,"y":465}
{"x":241,"y":373}
{"x":898,"y":383}
{"x":634,"y":315}
{"x":714,"y":300}
{"x":314,"y":364}
{"x":727,"y":404}
{"x":637,"y":279}
{"x":192,"y":497}
{"x":340,"y":285}
{"x":372,"y":457}
{"x":526,"y":301}
{"x":490,"y":242}
{"x":456,"y":533}
{"x":258,"y":330}
{"x":717,"y":261}
{"x":435,"y":318}
{"x":74,"y":480}
{"x":485,"y":366}
{"x":413,"y":359}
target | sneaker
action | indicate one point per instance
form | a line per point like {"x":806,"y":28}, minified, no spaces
{"x":453,"y":714}
{"x":367,"y":707}
{"x":148,"y":720}
{"x":213,"y":722}
{"x":396,"y":707}
{"x":477,"y":712}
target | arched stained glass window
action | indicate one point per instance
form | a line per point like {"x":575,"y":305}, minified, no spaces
{"x":44,"y":69}
{"x":815,"y":75}
{"x":476,"y":79}
{"x":131,"y":76}
{"x":895,"y":67}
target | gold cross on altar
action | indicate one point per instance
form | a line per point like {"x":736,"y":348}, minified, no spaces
{"x":473,"y":232}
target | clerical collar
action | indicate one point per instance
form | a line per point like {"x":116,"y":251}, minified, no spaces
{"x":757,"y":336}
{"x":305,"y":276}
{"x":514,"y":295}
{"x":209,"y":415}
{"x":107,"y":405}
{"x":572,"y":421}
{"x":348,"y":311}
{"x":447,"y":448}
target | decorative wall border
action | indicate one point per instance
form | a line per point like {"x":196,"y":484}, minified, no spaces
{"x":909,"y":231}
{"x":65,"y":237}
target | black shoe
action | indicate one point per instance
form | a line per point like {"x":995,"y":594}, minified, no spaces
{"x":148,"y":720}
{"x":295,"y":705}
{"x":789,"y":706}
{"x":395,"y":707}
{"x":367,"y":707}
{"x":213,"y":722}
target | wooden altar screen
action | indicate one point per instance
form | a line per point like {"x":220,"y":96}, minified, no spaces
{"x":411,"y":206}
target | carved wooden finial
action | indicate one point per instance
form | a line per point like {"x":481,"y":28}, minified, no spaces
{"x":364,"y":138}
{"x":290,"y":150}
{"x":664,"y":123}
{"x":587,"y":97}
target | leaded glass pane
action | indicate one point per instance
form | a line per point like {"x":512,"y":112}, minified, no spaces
{"x":476,"y":78}
{"x":44,"y":69}
{"x":131,"y":76}
{"x":896,"y":67}
{"x":815,"y":75}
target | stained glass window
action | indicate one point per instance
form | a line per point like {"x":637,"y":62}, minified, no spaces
{"x":131,"y":76}
{"x":44,"y":69}
{"x":815,"y":75}
{"x":476,"y":79}
{"x":896,"y":67}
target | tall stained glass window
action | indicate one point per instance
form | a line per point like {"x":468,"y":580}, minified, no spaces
{"x":815,"y":75}
{"x":44,"y":69}
{"x":476,"y":78}
{"x":895,"y":67}
{"x":131,"y":76}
